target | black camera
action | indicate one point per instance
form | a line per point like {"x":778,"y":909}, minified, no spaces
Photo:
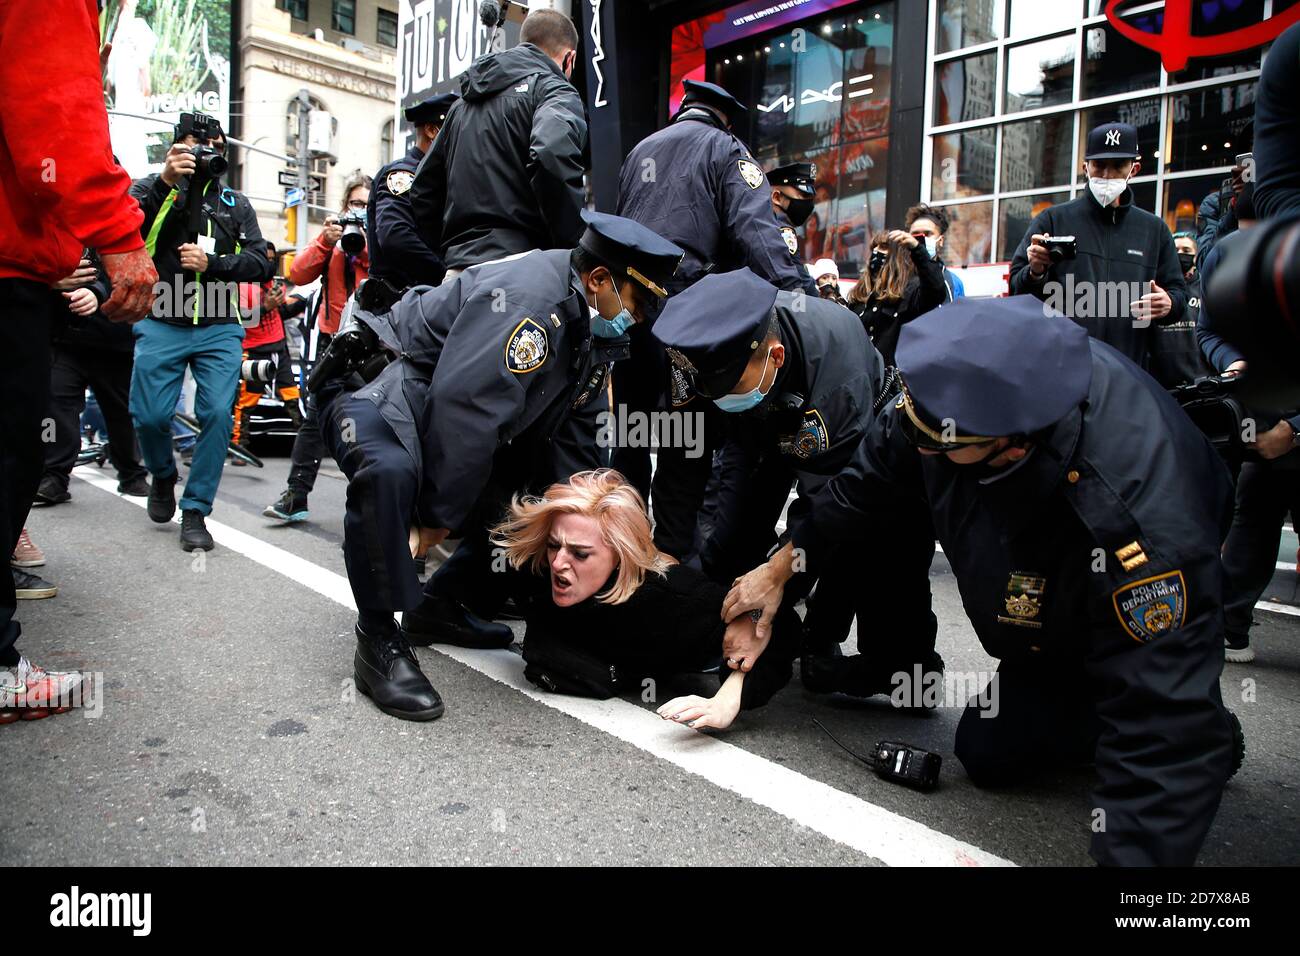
{"x":209,"y":163}
{"x":1061,"y":248}
{"x":906,"y":764}
{"x":257,"y":371}
{"x":354,"y":233}
{"x":353,"y":350}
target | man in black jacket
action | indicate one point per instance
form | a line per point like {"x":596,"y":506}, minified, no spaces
{"x":195,"y":320}
{"x":87,"y":350}
{"x":505,"y":173}
{"x":1124,"y":274}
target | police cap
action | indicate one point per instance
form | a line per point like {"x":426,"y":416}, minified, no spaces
{"x":433,"y":110}
{"x":799,"y":175}
{"x":713,"y":328}
{"x":995,"y":367}
{"x":646,"y":256}
{"x":710,"y":94}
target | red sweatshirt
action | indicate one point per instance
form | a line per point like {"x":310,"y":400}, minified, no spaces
{"x":60,"y":188}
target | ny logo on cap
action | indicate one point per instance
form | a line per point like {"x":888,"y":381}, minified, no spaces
{"x":1112,"y":137}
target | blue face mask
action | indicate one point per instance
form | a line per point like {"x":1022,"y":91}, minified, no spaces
{"x":746,"y":400}
{"x":604,"y":328}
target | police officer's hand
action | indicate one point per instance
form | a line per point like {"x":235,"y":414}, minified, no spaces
{"x":83,"y":275}
{"x":741,"y":645}
{"x":901,"y":237}
{"x":332,"y":232}
{"x":178,"y":163}
{"x":81,"y":302}
{"x":193,"y":259}
{"x":422,"y":539}
{"x":761,"y":590}
{"x":1277,"y":441}
{"x":1156,"y":304}
{"x":1040,"y":260}
{"x":133,"y":278}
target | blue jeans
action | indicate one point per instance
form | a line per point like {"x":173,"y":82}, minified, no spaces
{"x":162,"y":353}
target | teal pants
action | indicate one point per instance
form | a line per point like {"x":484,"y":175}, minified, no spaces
{"x":162,"y":353}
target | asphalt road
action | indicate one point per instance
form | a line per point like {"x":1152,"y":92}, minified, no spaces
{"x":226,"y":731}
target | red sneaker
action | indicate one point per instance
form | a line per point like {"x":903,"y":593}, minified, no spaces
{"x":30,"y":692}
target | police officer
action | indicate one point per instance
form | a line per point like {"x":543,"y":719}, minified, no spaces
{"x":792,"y":199}
{"x":398,"y":256}
{"x":799,"y":383}
{"x":500,"y":376}
{"x":695,"y":183}
{"x":1081,"y":512}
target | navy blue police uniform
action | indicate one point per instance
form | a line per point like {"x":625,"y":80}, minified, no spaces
{"x":495,"y":387}
{"x":695,"y":183}
{"x":801,"y":176}
{"x":398,"y":255}
{"x":805,"y":430}
{"x":1090,"y":567}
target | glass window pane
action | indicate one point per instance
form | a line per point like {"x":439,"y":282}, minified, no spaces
{"x":964,"y":89}
{"x":868,"y":65}
{"x":1144,"y":196}
{"x":1212,"y":18}
{"x":1033,"y":17}
{"x":1017,"y":213}
{"x":963,"y":164}
{"x":1036,"y":153}
{"x":1207,"y":125}
{"x":1114,"y":64}
{"x":1144,"y":114}
{"x":964,"y":23}
{"x":1040,"y":74}
{"x":970,"y":234}
{"x":849,"y":205}
{"x":1183,"y":197}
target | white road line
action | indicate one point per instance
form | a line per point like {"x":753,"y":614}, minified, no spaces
{"x":879,"y":833}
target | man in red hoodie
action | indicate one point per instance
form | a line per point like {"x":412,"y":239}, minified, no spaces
{"x":61,"y":192}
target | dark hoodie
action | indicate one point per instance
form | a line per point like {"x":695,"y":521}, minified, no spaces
{"x":505,"y":173}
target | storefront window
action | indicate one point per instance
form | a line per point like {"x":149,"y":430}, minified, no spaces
{"x":1221,"y":17}
{"x":1183,"y":197}
{"x":963,"y":163}
{"x":970,"y":234}
{"x":1035,"y":17}
{"x":1036,"y":153}
{"x":1207,"y":126}
{"x":1143,"y":114}
{"x":1015,"y":215}
{"x":965,"y":89}
{"x":1040,"y":74}
{"x":1114,"y":64}
{"x":964,"y":23}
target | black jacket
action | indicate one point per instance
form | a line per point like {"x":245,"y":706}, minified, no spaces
{"x":505,"y":173}
{"x":1121,"y":248}
{"x":1118,"y":513}
{"x":884,"y":320}
{"x":696,"y":184}
{"x":397,"y":253}
{"x":239,"y":256}
{"x":1176,"y":357}
{"x":1277,"y":129}
{"x":91,"y":332}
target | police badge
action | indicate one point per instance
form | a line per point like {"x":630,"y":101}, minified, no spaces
{"x":682,"y":362}
{"x":1152,"y":607}
{"x":791,"y":240}
{"x":526,"y":348}
{"x":399,"y":181}
{"x":812,"y":437}
{"x":751,"y":174}
{"x":1024,"y":600}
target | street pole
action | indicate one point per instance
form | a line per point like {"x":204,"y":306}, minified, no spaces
{"x":295,"y":222}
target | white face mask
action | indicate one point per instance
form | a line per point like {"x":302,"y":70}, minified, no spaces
{"x":1106,"y":191}
{"x":932,"y":246}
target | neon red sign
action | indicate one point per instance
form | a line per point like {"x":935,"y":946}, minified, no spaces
{"x":1176,"y":44}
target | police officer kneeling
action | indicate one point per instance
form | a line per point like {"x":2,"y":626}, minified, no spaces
{"x":514,"y":353}
{"x":1082,"y":513}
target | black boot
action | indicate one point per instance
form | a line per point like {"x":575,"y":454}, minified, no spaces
{"x":194,"y":532}
{"x":443,"y":620}
{"x":385,"y":670}
{"x":162,"y":499}
{"x":1238,"y":743}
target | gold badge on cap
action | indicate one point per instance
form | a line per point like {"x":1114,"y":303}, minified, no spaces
{"x":399,"y":181}
{"x":1024,"y":600}
{"x":751,"y":174}
{"x":527,"y":347}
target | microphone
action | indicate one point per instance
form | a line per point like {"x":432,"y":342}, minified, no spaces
{"x":491,"y":14}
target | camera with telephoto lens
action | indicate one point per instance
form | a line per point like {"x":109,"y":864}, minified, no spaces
{"x":257,"y":371}
{"x":906,"y":764}
{"x":1061,"y":248}
{"x":354,"y":233}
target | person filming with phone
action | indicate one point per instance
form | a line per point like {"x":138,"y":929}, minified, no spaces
{"x":1100,"y":259}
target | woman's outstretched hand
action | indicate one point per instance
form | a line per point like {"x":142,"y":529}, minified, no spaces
{"x":701,"y":713}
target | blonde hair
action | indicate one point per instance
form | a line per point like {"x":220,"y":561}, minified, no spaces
{"x":603,"y":494}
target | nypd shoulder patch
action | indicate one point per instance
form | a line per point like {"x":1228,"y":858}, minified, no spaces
{"x":682,"y":392}
{"x":751,"y":174}
{"x":399,"y":181}
{"x":791,"y":240}
{"x":1153,"y":606}
{"x":812,"y":437}
{"x":527,"y":347}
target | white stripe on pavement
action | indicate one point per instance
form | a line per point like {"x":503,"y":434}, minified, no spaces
{"x":879,"y":833}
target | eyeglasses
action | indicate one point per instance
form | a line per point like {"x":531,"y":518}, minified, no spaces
{"x":356,"y":204}
{"x":918,"y":433}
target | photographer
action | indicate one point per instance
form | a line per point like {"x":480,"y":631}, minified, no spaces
{"x":901,"y":282}
{"x":204,"y":240}
{"x":341,"y":266}
{"x":929,"y":225}
{"x":264,"y":341}
{"x":1122,"y":269}
{"x":89,"y":351}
